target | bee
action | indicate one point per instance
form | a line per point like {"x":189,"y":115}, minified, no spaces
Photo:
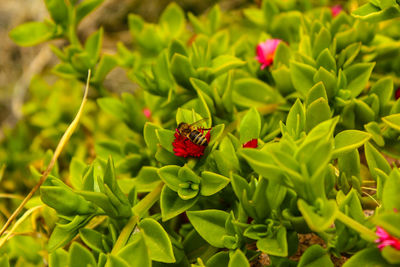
{"x":190,"y":132}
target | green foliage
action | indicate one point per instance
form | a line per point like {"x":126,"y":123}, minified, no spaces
{"x":321,"y":126}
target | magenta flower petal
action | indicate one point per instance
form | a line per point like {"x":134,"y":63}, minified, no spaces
{"x":266,"y":51}
{"x":336,"y":10}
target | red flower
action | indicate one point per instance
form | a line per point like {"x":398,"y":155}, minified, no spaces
{"x":397,"y":94}
{"x":336,"y":10}
{"x":183,"y":147}
{"x":253,"y":143}
{"x":266,"y":52}
{"x":385,"y":239}
{"x":147,"y":112}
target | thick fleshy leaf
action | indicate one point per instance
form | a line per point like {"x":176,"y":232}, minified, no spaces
{"x":391,"y":191}
{"x":367,"y":257}
{"x":302,"y":76}
{"x":315,"y":256}
{"x":250,"y":126}
{"x":210,"y":224}
{"x":157,"y":241}
{"x":357,"y":77}
{"x":173,"y":19}
{"x":169,"y":175}
{"x":348,"y":140}
{"x":136,"y":252}
{"x":321,"y":219}
{"x":58,"y":258}
{"x":238,"y":259}
{"x":32,"y":33}
{"x":276,"y":245}
{"x":171,"y":204}
{"x":393,"y":121}
{"x":80,"y":256}
{"x":212,"y":183}
{"x":375,"y":161}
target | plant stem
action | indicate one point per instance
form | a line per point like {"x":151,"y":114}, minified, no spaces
{"x":57,"y":152}
{"x":365,"y":232}
{"x":138,"y":211}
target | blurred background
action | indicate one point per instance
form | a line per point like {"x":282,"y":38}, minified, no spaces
{"x":19,"y":64}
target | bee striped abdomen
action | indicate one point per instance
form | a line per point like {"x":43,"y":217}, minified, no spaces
{"x":198,"y":138}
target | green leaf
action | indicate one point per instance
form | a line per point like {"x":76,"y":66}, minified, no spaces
{"x":224,"y":63}
{"x":65,"y":231}
{"x":276,"y":245}
{"x":219,"y":259}
{"x":58,"y":11}
{"x":150,"y":136}
{"x":92,"y":239}
{"x":357,"y":76}
{"x":136,"y":252}
{"x":315,"y":256}
{"x":251,"y":92}
{"x":80,"y":256}
{"x":282,"y":55}
{"x":157,"y":241}
{"x":329,"y":81}
{"x":182,"y":70}
{"x":348,"y":140}
{"x":210,"y":224}
{"x":318,"y":218}
{"x":326,"y":60}
{"x":76,"y":171}
{"x":85,"y":7}
{"x":388,"y":221}
{"x":371,"y":13}
{"x":173,"y":20}
{"x":317,"y":112}
{"x":347,"y":55}
{"x":106,"y":64}
{"x":93,"y":46}
{"x":391,"y":254}
{"x":169,"y":175}
{"x":367,"y":257}
{"x":65,"y":70}
{"x":146,"y":180}
{"x":115,"y":261}
{"x":238,"y":259}
{"x":212,"y":183}
{"x":32,"y":33}
{"x":391,"y":191}
{"x":322,"y":41}
{"x":58,"y":258}
{"x":317,"y":91}
{"x":250,"y":126}
{"x":112,"y":106}
{"x":171,"y":204}
{"x":383,"y":88}
{"x":302,"y":76}
{"x":283,"y":80}
{"x":375,"y":160}
{"x":166,"y":138}
{"x":296,"y":120}
{"x":393,"y":121}
{"x":55,"y":196}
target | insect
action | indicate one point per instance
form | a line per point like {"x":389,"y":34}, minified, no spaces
{"x":190,"y":132}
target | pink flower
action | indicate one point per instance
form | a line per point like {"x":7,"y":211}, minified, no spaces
{"x":183,"y":147}
{"x":385,"y":239}
{"x":147,"y":112}
{"x":336,"y":10}
{"x":253,"y":143}
{"x":266,"y":52}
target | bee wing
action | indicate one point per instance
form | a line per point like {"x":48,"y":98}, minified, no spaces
{"x":198,"y":122}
